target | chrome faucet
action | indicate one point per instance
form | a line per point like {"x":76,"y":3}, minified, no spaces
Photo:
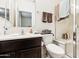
{"x":5,"y":29}
{"x":22,"y":31}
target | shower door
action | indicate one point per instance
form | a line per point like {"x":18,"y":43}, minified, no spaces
{"x":64,"y":26}
{"x":77,"y":28}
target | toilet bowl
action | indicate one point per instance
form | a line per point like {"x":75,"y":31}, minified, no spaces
{"x":55,"y":51}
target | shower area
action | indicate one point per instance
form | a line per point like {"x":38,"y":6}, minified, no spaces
{"x":67,"y":27}
{"x":77,"y":28}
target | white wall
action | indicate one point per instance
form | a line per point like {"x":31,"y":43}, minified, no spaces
{"x":39,"y":7}
{"x":4,"y":3}
{"x":28,"y":6}
{"x":44,"y":6}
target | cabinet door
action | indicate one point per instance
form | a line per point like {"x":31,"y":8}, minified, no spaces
{"x":29,"y":53}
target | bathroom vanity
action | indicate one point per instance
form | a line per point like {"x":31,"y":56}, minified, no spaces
{"x":20,"y":47}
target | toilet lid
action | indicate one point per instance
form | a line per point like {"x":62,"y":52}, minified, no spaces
{"x":55,"y":49}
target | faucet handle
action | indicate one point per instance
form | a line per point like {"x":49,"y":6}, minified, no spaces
{"x":52,"y":34}
{"x":5,"y":28}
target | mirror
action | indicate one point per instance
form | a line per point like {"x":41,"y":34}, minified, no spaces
{"x":25,"y":19}
{"x":2,"y":13}
{"x":64,"y":8}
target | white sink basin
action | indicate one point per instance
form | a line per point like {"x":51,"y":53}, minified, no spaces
{"x":13,"y":35}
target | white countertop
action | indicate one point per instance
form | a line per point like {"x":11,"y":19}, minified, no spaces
{"x":13,"y":37}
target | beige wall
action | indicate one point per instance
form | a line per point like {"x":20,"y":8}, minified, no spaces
{"x":77,"y":19}
{"x":64,"y":26}
{"x":77,"y":22}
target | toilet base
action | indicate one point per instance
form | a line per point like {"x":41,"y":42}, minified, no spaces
{"x":55,"y":51}
{"x":55,"y":56}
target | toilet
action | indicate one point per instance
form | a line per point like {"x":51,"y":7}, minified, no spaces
{"x":54,"y":50}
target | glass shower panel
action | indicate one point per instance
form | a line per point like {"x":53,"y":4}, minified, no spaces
{"x":77,"y":28}
{"x":64,"y":27}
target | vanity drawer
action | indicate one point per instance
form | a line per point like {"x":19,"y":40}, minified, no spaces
{"x":18,"y":44}
{"x":29,"y":53}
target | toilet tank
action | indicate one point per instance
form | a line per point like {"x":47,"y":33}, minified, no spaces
{"x":48,"y":38}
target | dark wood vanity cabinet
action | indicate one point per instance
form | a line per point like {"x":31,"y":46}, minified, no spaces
{"x":32,"y":53}
{"x":21,"y":48}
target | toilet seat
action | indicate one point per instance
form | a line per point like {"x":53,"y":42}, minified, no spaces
{"x":55,"y":49}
